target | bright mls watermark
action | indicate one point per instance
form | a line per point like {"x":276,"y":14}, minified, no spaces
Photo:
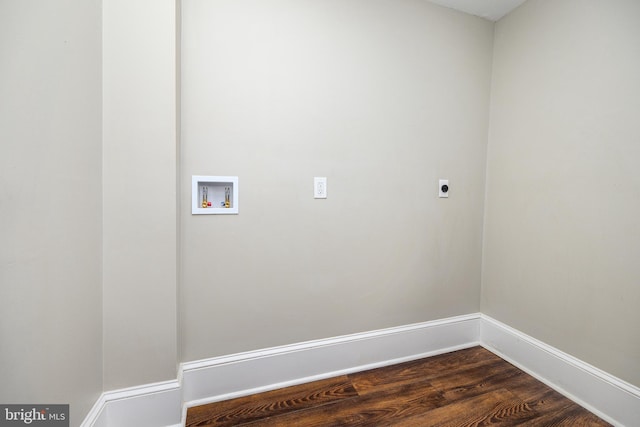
{"x":34,"y":415}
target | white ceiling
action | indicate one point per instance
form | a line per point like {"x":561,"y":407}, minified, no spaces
{"x":488,"y":9}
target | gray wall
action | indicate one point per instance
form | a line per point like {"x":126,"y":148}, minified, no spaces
{"x":562,"y":236}
{"x":140,"y":219}
{"x":382,"y":98}
{"x":50,"y":203}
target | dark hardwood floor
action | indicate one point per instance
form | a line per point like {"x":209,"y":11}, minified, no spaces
{"x":471,"y":387}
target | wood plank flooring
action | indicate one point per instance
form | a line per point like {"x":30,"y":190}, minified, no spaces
{"x":471,"y":387}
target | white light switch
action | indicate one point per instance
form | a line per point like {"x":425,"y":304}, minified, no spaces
{"x":320,"y":187}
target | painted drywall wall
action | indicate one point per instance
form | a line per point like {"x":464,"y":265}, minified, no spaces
{"x":562,"y":236}
{"x":139,"y":173}
{"x":50,"y":203}
{"x":382,"y":98}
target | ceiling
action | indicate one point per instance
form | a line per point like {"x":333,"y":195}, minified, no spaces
{"x":488,"y":9}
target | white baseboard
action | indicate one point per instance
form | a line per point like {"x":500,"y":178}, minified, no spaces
{"x":221,"y":378}
{"x":612,"y":399}
{"x":153,"y":405}
{"x":164,"y":404}
{"x":226,"y":377}
{"x":97,"y":415}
